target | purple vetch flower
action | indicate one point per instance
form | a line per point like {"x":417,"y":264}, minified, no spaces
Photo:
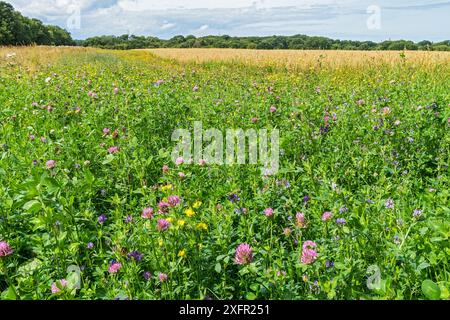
{"x":306,"y":199}
{"x":35,"y":162}
{"x":324,"y":129}
{"x":329,"y":264}
{"x":417,"y":213}
{"x":315,"y":287}
{"x":397,"y":240}
{"x":389,"y":204}
{"x":343,"y":209}
{"x":101,"y":219}
{"x":90,"y":245}
{"x":341,"y":221}
{"x":136,"y":256}
{"x":147,"y":275}
{"x":128,"y":219}
{"x":234,"y":198}
{"x":369,"y":201}
{"x":284,"y":183}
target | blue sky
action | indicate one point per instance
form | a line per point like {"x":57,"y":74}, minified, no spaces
{"x":342,"y":19}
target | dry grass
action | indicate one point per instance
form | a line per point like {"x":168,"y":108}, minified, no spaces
{"x":32,"y":58}
{"x":303,"y":58}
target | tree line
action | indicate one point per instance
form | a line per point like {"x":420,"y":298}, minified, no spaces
{"x":16,"y":29}
{"x":270,"y":42}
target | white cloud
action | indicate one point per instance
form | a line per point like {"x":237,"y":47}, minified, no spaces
{"x":203,"y":27}
{"x":167,"y":26}
{"x":139,"y":5}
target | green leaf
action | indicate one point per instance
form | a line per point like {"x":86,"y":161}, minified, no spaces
{"x":89,"y":177}
{"x":220,"y":257}
{"x":422,"y":266}
{"x":32,"y":206}
{"x":431,"y":290}
{"x":28,"y":268}
{"x":255,"y":287}
{"x":218,"y":268}
{"x":109,"y":159}
{"x":250,"y":296}
{"x":8,"y":294}
{"x":73,"y":280}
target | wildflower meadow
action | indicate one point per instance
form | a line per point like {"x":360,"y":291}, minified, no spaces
{"x":95,"y":204}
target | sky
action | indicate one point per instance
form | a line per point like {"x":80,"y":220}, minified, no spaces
{"x":374,"y":20}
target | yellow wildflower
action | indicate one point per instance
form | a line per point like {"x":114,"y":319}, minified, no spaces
{"x":197,"y":204}
{"x":182,"y":253}
{"x":170,"y":219}
{"x":202,"y":226}
{"x":189,"y":212}
{"x":160,"y":242}
{"x":166,"y":187}
{"x":181,"y":222}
